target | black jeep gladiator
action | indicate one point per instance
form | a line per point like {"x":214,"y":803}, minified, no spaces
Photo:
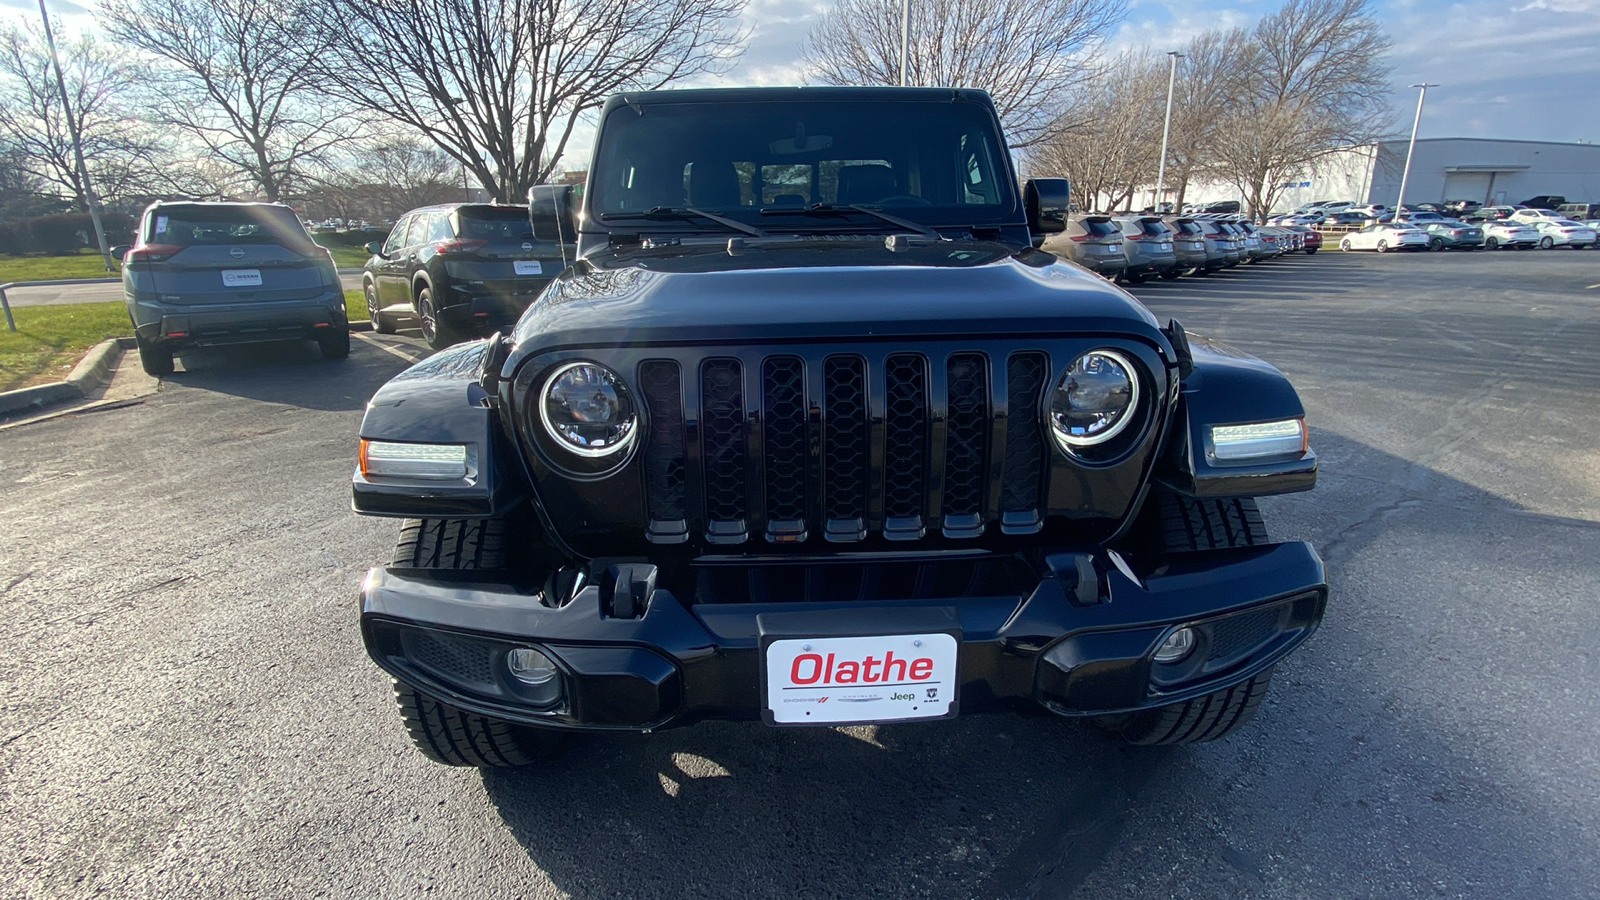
{"x":810,"y":432}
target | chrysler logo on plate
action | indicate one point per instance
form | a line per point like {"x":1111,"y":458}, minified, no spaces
{"x":527,"y":246}
{"x":237,"y":253}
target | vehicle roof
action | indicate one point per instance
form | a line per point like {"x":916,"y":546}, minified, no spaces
{"x":779,"y":94}
{"x":240,"y":204}
{"x":459,"y":204}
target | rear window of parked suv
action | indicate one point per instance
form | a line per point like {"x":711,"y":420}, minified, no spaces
{"x":503,"y":223}
{"x":1100,"y":227}
{"x":188,"y":226}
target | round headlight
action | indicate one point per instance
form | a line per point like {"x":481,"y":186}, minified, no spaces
{"x":588,"y":410}
{"x":1095,"y":399}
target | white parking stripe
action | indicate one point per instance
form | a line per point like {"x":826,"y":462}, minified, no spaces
{"x":387,"y":347}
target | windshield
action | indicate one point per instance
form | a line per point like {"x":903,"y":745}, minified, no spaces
{"x":188,"y":226}
{"x":937,"y":163}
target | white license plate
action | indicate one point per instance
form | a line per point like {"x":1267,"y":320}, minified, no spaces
{"x":839,"y":680}
{"x":528,"y":267}
{"x":241,"y":277}
{"x":1164,"y":247}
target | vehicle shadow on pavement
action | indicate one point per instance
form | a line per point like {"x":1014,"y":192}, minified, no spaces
{"x":722,"y":809}
{"x":292,"y":373}
{"x":1397,"y":755}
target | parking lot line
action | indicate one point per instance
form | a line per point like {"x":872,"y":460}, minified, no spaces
{"x":387,"y":348}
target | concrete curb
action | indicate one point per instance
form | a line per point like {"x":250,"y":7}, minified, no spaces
{"x":91,"y":374}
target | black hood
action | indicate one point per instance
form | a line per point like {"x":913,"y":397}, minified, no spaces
{"x":842,"y":286}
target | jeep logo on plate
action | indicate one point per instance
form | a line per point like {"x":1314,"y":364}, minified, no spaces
{"x":237,"y":253}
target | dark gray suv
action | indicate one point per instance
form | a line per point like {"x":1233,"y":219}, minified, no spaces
{"x":204,"y":274}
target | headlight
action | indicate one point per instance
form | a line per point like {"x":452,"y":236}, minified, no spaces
{"x":431,"y":462}
{"x":1095,"y":399}
{"x":1281,"y":438}
{"x":588,"y":410}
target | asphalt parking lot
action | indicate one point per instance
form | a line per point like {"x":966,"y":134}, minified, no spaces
{"x":186,"y":708}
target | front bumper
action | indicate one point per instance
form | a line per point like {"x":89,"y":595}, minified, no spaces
{"x":448,"y":636}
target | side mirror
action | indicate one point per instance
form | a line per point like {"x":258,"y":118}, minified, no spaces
{"x":553,"y":212}
{"x":119,"y":251}
{"x":374,"y":247}
{"x":1047,"y":201}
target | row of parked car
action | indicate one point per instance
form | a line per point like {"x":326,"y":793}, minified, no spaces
{"x":1138,"y":246}
{"x":1454,"y":234}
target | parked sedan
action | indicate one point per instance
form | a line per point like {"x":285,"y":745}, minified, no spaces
{"x":1507,"y":233}
{"x":1453,"y":234}
{"x":1563,"y":233}
{"x":1385,"y":237}
{"x":1312,"y":238}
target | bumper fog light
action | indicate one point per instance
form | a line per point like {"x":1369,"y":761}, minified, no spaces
{"x":532,"y":668}
{"x":1177,"y":645}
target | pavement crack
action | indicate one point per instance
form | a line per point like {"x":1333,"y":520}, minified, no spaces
{"x":30,"y":729}
{"x":16,"y":581}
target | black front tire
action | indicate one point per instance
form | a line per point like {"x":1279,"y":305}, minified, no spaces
{"x":1184,"y":524}
{"x":453,"y":737}
{"x":335,"y":342}
{"x":155,"y":358}
{"x":435,"y":330}
{"x":381,"y":323}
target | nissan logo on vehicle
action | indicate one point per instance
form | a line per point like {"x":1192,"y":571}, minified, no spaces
{"x":237,"y":253}
{"x":526,"y":245}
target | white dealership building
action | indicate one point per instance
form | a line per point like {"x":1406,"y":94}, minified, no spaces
{"x":1484,"y":170}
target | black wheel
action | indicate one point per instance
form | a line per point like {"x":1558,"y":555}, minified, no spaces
{"x":1170,"y":274}
{"x":435,"y":330}
{"x":1178,"y":524}
{"x":1311,"y":251}
{"x":381,"y":323}
{"x":1436,"y":243}
{"x":448,"y":735}
{"x":155,"y":358}
{"x":442,"y":732}
{"x":1491,"y":243}
{"x":1205,"y":718}
{"x":335,"y":342}
{"x":1140,"y":278}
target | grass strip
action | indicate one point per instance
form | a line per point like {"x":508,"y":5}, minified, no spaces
{"x":50,"y":340}
{"x":84,"y":264}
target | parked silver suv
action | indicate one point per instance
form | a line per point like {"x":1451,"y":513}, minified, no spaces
{"x":204,"y":274}
{"x":1147,"y":246}
{"x":1092,"y":241}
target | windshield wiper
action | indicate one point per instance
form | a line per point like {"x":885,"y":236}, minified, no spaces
{"x":689,"y":212}
{"x":829,"y":209}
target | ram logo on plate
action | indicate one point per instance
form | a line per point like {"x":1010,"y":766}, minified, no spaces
{"x":833,"y":681}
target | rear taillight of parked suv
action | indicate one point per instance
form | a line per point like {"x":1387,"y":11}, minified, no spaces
{"x":152,"y":252}
{"x":459,"y":245}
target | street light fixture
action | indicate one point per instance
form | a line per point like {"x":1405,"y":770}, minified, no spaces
{"x":1166,"y":126}
{"x":1400,"y":202}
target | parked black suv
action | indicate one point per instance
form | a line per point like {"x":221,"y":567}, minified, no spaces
{"x":460,"y":269}
{"x":811,"y":434}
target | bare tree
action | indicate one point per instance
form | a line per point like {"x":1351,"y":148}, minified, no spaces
{"x":1211,"y":78}
{"x":1032,"y":56}
{"x":1113,"y":151}
{"x":500,"y":85}
{"x":239,"y":80}
{"x":1314,"y":80}
{"x":121,"y":152}
{"x":388,"y":176}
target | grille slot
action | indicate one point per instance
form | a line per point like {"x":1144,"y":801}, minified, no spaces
{"x":965,"y":444}
{"x":1240,"y":634}
{"x":1021,"y":478}
{"x":835,"y":582}
{"x":845,"y":448}
{"x":723,"y":441}
{"x":905,"y":450}
{"x":460,"y":661}
{"x":783,"y":406}
{"x":665,"y":484}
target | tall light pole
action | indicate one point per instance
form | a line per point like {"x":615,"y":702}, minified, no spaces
{"x":905,"y":38}
{"x":77,"y":142}
{"x":1400,"y":202}
{"x":1166,"y":126}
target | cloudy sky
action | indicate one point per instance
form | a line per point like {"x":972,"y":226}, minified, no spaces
{"x":1526,"y":69}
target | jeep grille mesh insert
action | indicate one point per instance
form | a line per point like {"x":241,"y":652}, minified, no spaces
{"x":845,"y":447}
{"x":661,"y":383}
{"x":886,"y":443}
{"x":723,"y":441}
{"x":966,"y":442}
{"x":783,"y":422}
{"x":905,"y":445}
{"x":1240,"y":634}
{"x":453,"y":659}
{"x":1025,"y":451}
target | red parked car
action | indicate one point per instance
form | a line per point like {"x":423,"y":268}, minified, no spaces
{"x":1313,"y":241}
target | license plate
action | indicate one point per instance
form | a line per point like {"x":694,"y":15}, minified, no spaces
{"x":241,"y":277}
{"x":528,"y":267}
{"x":1164,"y":247}
{"x":841,"y":680}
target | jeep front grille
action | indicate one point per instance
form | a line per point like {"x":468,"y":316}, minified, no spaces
{"x":789,"y":446}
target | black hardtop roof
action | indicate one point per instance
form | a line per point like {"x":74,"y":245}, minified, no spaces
{"x":807,"y":93}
